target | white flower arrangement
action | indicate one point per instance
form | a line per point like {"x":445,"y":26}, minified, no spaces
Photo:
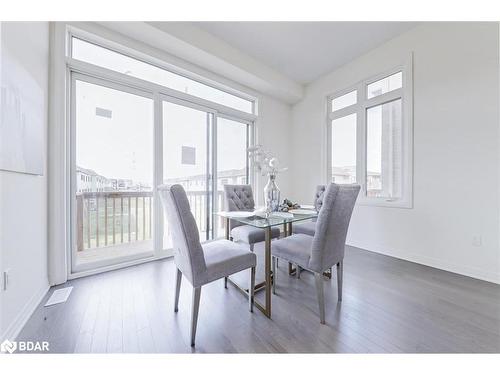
{"x":264,"y":161}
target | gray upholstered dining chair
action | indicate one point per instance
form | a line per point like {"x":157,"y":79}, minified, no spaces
{"x":310,"y":226}
{"x":200,"y":264}
{"x":240,"y":198}
{"x":326,"y":248}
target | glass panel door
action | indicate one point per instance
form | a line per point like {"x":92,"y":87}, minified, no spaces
{"x":187,"y":160}
{"x":232,"y":161}
{"x":112,"y":175}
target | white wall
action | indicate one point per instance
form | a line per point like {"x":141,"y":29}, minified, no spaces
{"x":456,"y":149}
{"x":23,"y":198}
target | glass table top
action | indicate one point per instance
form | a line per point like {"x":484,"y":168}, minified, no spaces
{"x":260,"y":221}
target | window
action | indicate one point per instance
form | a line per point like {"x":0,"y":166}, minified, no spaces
{"x":344,"y":149}
{"x":345,"y":100}
{"x":106,"y":58}
{"x":113,"y":147}
{"x":383,"y":150}
{"x":188,"y":128}
{"x":370,"y":138}
{"x":387,"y":84}
{"x":130,"y":135}
{"x":232,"y":157}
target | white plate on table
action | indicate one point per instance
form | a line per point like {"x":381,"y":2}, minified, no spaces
{"x":301,"y":211}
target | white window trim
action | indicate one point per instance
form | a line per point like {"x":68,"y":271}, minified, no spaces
{"x":72,"y":31}
{"x":406,"y":95}
{"x":60,"y":163}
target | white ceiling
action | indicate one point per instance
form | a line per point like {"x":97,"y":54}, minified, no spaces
{"x":304,"y":51}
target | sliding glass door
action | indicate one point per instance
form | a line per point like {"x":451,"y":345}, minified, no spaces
{"x":203,"y":151}
{"x":136,"y":123}
{"x":187,"y":160}
{"x":233,"y":138}
{"x":113,"y":173}
{"x":125,"y":142}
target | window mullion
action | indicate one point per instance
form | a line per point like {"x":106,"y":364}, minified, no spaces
{"x":384,"y":98}
{"x":158,"y":173}
{"x":361,"y":149}
{"x":361,"y":139}
{"x":344,"y":112}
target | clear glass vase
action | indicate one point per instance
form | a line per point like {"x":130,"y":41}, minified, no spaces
{"x":271,"y":194}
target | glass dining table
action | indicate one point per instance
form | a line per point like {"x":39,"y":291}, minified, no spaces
{"x":273,"y":220}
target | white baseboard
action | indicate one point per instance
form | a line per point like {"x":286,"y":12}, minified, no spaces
{"x":17,"y":325}
{"x":473,"y":272}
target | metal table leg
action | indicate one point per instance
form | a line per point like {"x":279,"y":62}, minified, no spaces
{"x":267,"y":270}
{"x":291,"y":270}
{"x":227,"y":238}
{"x":267,"y":284}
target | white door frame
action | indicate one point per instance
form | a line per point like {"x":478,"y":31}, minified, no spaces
{"x":211,"y":136}
{"x":62,"y":88}
{"x":74,"y":268}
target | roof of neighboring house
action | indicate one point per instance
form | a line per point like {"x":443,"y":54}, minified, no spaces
{"x":87,"y":171}
{"x":91,"y":172}
{"x":346,"y":171}
{"x":221,"y":174}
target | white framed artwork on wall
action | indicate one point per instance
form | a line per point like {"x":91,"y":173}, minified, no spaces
{"x":22,"y":104}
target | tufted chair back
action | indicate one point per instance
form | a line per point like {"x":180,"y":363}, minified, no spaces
{"x":238,"y":198}
{"x":318,"y":197}
{"x":331,"y":227}
{"x":188,"y":252}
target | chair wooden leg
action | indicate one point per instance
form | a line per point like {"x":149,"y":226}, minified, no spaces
{"x":340,"y":276}
{"x":274,"y":274}
{"x":321,"y":297}
{"x":178,"y":280}
{"x":251,"y":289}
{"x":194,"y":312}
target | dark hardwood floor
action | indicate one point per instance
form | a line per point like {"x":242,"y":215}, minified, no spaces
{"x":389,"y":305}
